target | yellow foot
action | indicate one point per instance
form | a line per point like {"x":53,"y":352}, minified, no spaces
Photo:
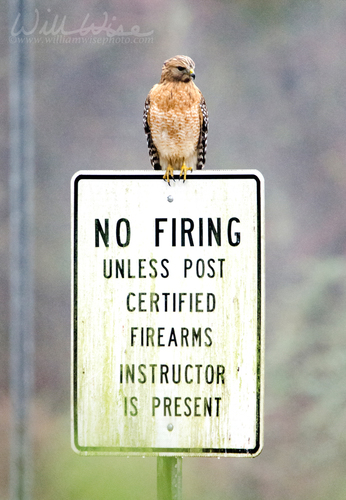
{"x":183,"y":170}
{"x":169,"y":172}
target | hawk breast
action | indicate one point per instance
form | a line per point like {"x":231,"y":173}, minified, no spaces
{"x":175,"y":121}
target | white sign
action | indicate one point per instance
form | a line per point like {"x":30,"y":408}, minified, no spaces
{"x":168,"y":313}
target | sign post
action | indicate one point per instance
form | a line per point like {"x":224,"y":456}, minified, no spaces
{"x":168,"y":314}
{"x":169,"y":478}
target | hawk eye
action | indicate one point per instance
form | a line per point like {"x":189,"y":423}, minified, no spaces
{"x":180,"y":68}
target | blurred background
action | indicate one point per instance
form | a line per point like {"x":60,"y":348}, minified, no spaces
{"x":273,"y":73}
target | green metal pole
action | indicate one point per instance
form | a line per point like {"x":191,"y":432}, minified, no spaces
{"x":169,"y":478}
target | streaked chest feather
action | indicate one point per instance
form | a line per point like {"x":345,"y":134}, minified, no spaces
{"x":175,"y":121}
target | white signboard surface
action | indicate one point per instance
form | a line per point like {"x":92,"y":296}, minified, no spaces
{"x":168,"y":313}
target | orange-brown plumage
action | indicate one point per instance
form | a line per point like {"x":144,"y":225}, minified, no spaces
{"x":176,"y":119}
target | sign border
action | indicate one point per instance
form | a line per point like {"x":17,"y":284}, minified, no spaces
{"x":152,"y":452}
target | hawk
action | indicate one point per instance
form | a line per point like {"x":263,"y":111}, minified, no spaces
{"x":176,"y":120}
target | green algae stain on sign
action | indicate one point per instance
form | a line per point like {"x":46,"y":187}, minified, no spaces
{"x":168,"y":314}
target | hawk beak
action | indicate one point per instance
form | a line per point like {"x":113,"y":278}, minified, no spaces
{"x":192,"y":74}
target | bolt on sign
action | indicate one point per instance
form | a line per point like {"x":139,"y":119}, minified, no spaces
{"x":168,"y":313}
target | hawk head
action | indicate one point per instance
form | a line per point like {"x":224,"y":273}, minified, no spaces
{"x":178,"y":69}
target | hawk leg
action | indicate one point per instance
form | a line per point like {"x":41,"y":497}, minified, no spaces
{"x":183,"y":170}
{"x":169,"y":172}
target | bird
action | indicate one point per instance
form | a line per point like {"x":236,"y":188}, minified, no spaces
{"x":176,"y":120}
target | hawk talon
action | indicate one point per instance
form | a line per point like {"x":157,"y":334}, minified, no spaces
{"x":169,"y":172}
{"x":183,"y":170}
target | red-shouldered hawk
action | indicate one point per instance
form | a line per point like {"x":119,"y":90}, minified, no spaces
{"x":176,"y":120}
